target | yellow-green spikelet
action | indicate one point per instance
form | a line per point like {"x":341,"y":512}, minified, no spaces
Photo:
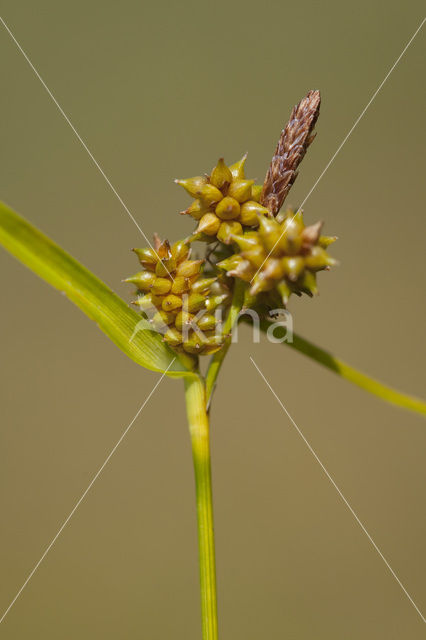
{"x":172,"y":292}
{"x":281,"y":256}
{"x":225,"y":202}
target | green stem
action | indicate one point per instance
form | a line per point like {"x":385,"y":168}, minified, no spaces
{"x":219,"y":356}
{"x":195,"y":396}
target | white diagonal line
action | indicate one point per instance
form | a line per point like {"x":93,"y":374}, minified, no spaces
{"x":80,"y":139}
{"x":77,"y":504}
{"x":340,"y":493}
{"x":345,"y":139}
{"x":364,"y":110}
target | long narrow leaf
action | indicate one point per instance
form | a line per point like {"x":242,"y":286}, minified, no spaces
{"x":347,"y":372}
{"x":120,"y":323}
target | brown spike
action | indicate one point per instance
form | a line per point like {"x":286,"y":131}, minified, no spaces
{"x":291,"y":148}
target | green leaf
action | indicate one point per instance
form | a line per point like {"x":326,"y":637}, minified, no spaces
{"x":121,"y":324}
{"x":347,"y":372}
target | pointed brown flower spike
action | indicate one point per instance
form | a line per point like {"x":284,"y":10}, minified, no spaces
{"x":291,"y":148}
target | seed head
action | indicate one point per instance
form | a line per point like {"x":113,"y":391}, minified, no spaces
{"x":225,"y":202}
{"x":283,"y":257}
{"x":250,"y":239}
{"x":177,"y":299}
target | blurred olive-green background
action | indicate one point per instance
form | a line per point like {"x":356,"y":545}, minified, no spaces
{"x":159,"y":91}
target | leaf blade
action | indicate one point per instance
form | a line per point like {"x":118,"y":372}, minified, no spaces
{"x":344,"y":370}
{"x":113,"y":316}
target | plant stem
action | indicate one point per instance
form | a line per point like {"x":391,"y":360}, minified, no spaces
{"x":195,"y":396}
{"x":218,"y":358}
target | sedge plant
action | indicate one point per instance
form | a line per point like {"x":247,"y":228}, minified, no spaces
{"x":256,"y":254}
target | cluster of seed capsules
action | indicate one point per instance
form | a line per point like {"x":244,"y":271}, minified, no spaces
{"x":283,"y":257}
{"x":225,"y":202}
{"x":177,"y":299}
{"x":275,"y":255}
